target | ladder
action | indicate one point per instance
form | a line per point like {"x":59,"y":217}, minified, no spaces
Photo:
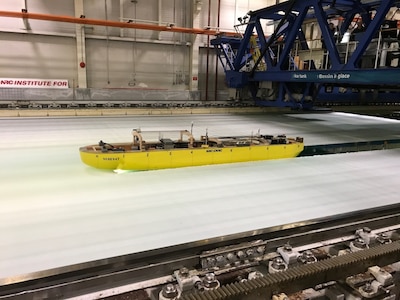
{"x":226,"y":55}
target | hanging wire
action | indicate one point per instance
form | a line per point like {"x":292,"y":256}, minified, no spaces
{"x":134,"y":46}
{"x":82,"y":42}
{"x":175,"y":81}
{"x":108,"y":44}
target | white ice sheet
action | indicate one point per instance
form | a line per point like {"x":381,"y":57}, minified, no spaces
{"x":55,"y":211}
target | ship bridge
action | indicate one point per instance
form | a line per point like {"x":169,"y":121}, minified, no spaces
{"x":319,"y":51}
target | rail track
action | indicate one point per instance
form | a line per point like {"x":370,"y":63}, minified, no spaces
{"x":303,"y":255}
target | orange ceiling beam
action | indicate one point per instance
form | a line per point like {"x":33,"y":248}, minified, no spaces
{"x":132,"y":25}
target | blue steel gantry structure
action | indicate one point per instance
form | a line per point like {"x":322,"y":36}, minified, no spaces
{"x":320,"y":51}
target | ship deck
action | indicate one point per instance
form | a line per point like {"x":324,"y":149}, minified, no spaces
{"x":56,"y":211}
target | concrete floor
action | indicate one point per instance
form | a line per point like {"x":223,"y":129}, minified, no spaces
{"x":55,"y":211}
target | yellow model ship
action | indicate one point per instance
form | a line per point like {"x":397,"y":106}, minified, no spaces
{"x":185,"y":151}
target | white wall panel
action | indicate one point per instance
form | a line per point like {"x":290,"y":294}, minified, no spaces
{"x":34,"y":56}
{"x":134,"y":65}
{"x":233,"y":9}
{"x":142,"y":11}
{"x":172,"y":11}
{"x":53,"y":7}
{"x":96,"y":9}
{"x":140,"y":56}
{"x":11,"y":23}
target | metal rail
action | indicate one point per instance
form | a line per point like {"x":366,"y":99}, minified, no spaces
{"x":304,"y":276}
{"x":133,"y":25}
{"x":156,"y":267}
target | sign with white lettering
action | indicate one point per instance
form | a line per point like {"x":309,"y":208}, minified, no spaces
{"x":322,"y":76}
{"x":33,"y":83}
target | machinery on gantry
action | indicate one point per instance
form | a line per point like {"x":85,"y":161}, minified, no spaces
{"x":320,"y":51}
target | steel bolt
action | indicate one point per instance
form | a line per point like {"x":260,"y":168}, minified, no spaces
{"x":169,"y":291}
{"x":360,"y":243}
{"x":383,"y":238}
{"x":211,"y":261}
{"x":367,"y":288}
{"x":287,"y":248}
{"x":184,"y":272}
{"x":278,"y":263}
{"x":210,"y":280}
{"x":249,"y":252}
{"x":241,"y":254}
{"x":367,"y":229}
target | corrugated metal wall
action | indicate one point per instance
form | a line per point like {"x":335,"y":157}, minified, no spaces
{"x":115,"y":58}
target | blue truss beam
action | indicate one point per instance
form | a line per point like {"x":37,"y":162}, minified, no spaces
{"x":292,"y":16}
{"x":369,"y":33}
